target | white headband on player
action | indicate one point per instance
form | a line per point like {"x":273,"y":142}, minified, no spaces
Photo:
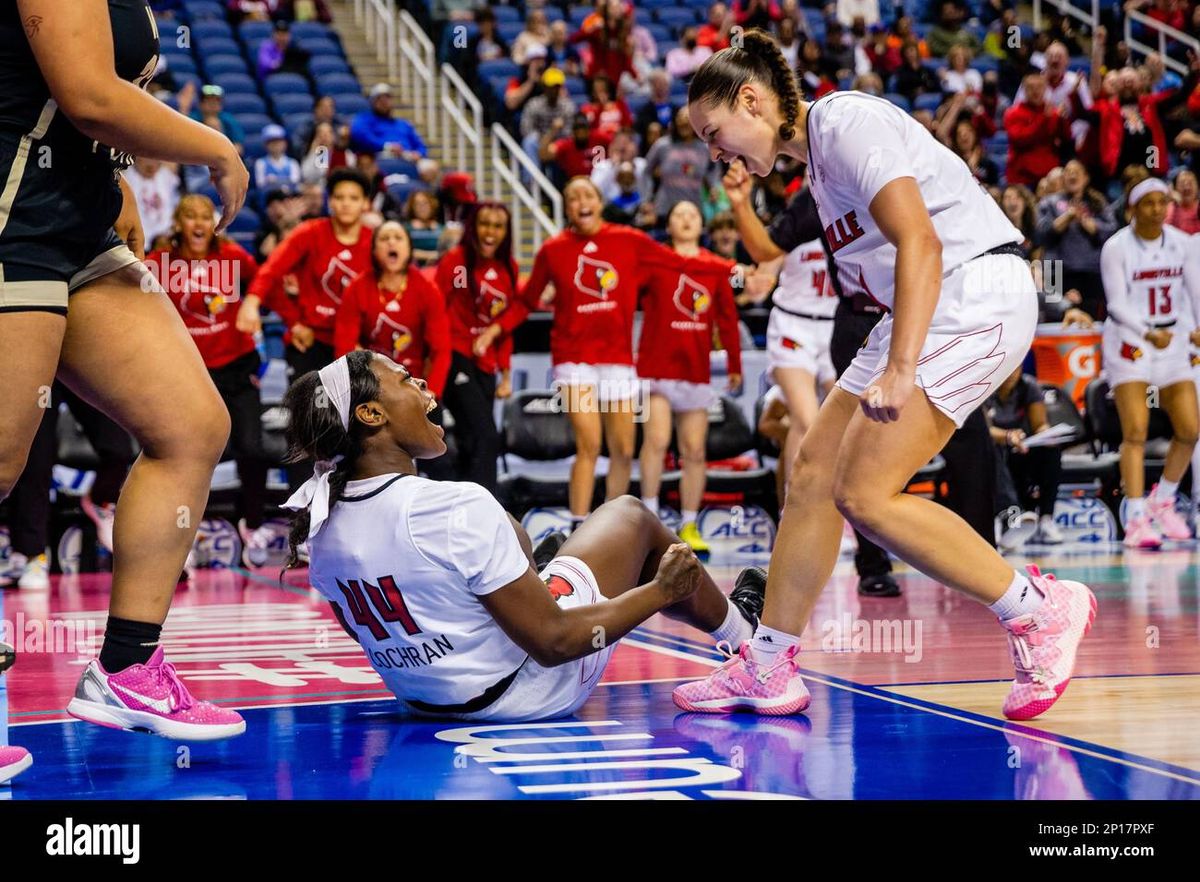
{"x":1150,"y":185}
{"x":314,"y":494}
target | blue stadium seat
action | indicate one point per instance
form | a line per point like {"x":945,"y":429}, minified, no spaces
{"x":509,"y":30}
{"x":929,"y":101}
{"x":679,"y":90}
{"x":397,"y":167}
{"x":235,"y":83}
{"x":661,"y":33}
{"x":180,"y":63}
{"x":701,"y":6}
{"x":498,"y":85}
{"x":202,"y":30}
{"x":327,"y":64}
{"x":312,"y":29}
{"x":553,"y":14}
{"x":1080,"y":63}
{"x":499,"y":67}
{"x":217,"y":46}
{"x":576,"y":16}
{"x":293,"y":121}
{"x":291,"y":102}
{"x":676,"y":17}
{"x":506,"y":13}
{"x":332,"y":83}
{"x":247,"y":221}
{"x":254,"y":149}
{"x":576,"y":86}
{"x":320,"y":46}
{"x":200,"y":10}
{"x":651,"y":5}
{"x":223,"y":64}
{"x":254,"y":31}
{"x":985,"y":64}
{"x":253,"y":122}
{"x":350,"y":103}
{"x":245,"y":239}
{"x":899,"y":100}
{"x":285,"y":84}
{"x":245,"y":102}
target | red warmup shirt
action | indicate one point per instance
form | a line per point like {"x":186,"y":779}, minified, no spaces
{"x":471,"y":313}
{"x":207,"y":293}
{"x":679,"y":310}
{"x":1035,"y":140}
{"x":324,"y":268}
{"x":596,"y":279}
{"x":410,"y":328}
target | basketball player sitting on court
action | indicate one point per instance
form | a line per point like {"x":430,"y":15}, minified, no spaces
{"x":434,"y":579}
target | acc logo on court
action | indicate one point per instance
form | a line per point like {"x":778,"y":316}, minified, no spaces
{"x":1085,"y":519}
{"x":595,"y":277}
{"x":217,"y":544}
{"x":748,"y":527}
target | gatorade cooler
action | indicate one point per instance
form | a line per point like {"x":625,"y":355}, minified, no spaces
{"x":1067,"y":357}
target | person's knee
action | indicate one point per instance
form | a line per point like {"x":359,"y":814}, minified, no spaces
{"x":587,"y":448}
{"x":12,"y":464}
{"x":808,"y":478}
{"x":1185,"y":432}
{"x":857,"y":500}
{"x":1134,"y":435}
{"x":691,"y":451}
{"x":620,"y":447}
{"x":200,"y":432}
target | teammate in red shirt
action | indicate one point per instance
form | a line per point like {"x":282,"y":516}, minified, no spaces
{"x":596,"y":268}
{"x":680,"y":311}
{"x":326,"y":255}
{"x":204,"y":275}
{"x":479,"y":281}
{"x":395,"y":310}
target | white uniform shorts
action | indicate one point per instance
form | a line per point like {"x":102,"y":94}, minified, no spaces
{"x":981,"y":331}
{"x":796,"y":342}
{"x":540,"y":693}
{"x":1128,"y":359}
{"x":683,"y":395}
{"x":612,"y":382}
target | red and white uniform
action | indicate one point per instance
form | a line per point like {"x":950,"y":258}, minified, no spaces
{"x":596,"y":279}
{"x":679,"y":312}
{"x":407,"y":577}
{"x":207,"y":293}
{"x":801,"y":322}
{"x":1149,"y":284}
{"x":410,"y":328}
{"x":324,"y":268}
{"x":475,"y":303}
{"x":986,"y":314}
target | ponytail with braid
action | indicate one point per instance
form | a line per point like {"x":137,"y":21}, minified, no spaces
{"x":315,"y":433}
{"x":757,"y":60}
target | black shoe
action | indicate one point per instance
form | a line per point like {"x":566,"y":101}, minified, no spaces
{"x":750,"y":593}
{"x":547,"y":548}
{"x":882,"y":585}
{"x":8,"y":656}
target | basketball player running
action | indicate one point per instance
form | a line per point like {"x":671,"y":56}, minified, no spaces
{"x":433,"y":578}
{"x":1151,"y":276}
{"x":72,"y":111}
{"x":908,"y":225}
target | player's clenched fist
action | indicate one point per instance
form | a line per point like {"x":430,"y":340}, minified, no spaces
{"x":678,"y":573}
{"x":737,"y":183}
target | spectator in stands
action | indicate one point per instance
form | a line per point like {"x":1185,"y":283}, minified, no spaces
{"x":622,"y":149}
{"x":393,"y":309}
{"x":958,"y":129}
{"x":1052,"y":183}
{"x":561,"y":53}
{"x":375,"y":130}
{"x":949,"y":30}
{"x":714,"y":33}
{"x":645,"y":49}
{"x":884,"y":57}
{"x":814,"y":71}
{"x":902,"y":32}
{"x":606,"y":112}
{"x":1184,"y":211}
{"x":572,"y":156}
{"x":527,"y":84}
{"x":480,"y":281}
{"x":1038,"y":134}
{"x":1015,"y":411}
{"x":254,"y":10}
{"x":282,"y":214}
{"x":683,"y":60}
{"x":1073,"y":226}
{"x":628,"y":204}
{"x":870,"y":83}
{"x":958,"y":75}
{"x":866,"y":11}
{"x":429,"y":173}
{"x":840,"y":52}
{"x":607,"y":33}
{"x":280,"y":55}
{"x":680,"y":166}
{"x":276,"y":168}
{"x":787,"y":35}
{"x":546,"y":113}
{"x":457,"y":197}
{"x":536,"y":33}
{"x":155,"y":186}
{"x":660,"y":108}
{"x":1020,"y":207}
{"x":381,"y":203}
{"x":1066,"y":90}
{"x":423,"y":221}
{"x":912,"y":77}
{"x":756,"y":13}
{"x":323,"y":155}
{"x":486,"y":44}
{"x":1160,"y":78}
{"x":212,"y":113}
{"x":725,"y":241}
{"x":1002,"y":34}
{"x":220,"y":272}
{"x":324,"y":111}
{"x":312,"y":200}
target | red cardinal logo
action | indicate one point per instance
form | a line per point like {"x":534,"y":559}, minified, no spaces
{"x":201,"y":299}
{"x":490,"y":302}
{"x":337,"y":276}
{"x":595,"y":277}
{"x":395,"y":343}
{"x":789,"y":343}
{"x":559,"y":587}
{"x":1129,"y":352}
{"x":692,"y":298}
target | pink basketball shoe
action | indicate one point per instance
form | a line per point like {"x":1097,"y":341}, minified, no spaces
{"x":1140,"y":533}
{"x":13,"y":761}
{"x":150,"y":698}
{"x":741,"y":684}
{"x":1169,"y":522}
{"x":1044,"y":644}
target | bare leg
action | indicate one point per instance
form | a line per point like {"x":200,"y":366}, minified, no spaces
{"x":1134,"y":414}
{"x":1179,"y":401}
{"x":621,"y":435}
{"x":656,"y":438}
{"x":622,"y":542}
{"x":692,"y":429}
{"x":800,"y":391}
{"x":585,"y":423}
{"x":127,"y":353}
{"x":30,"y":342}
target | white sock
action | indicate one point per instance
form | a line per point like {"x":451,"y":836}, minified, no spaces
{"x":688,"y":516}
{"x":1165,"y":490}
{"x":1135,"y":508}
{"x":1021,"y":599}
{"x":768,"y":643}
{"x":651,"y":502}
{"x":735,"y":630}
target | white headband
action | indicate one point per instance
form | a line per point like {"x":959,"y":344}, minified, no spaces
{"x":335,"y":379}
{"x":1150,"y":185}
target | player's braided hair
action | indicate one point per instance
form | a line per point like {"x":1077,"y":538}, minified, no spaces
{"x":757,"y":60}
{"x":315,"y":433}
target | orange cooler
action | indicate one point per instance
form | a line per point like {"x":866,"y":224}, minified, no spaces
{"x":1067,"y":357}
